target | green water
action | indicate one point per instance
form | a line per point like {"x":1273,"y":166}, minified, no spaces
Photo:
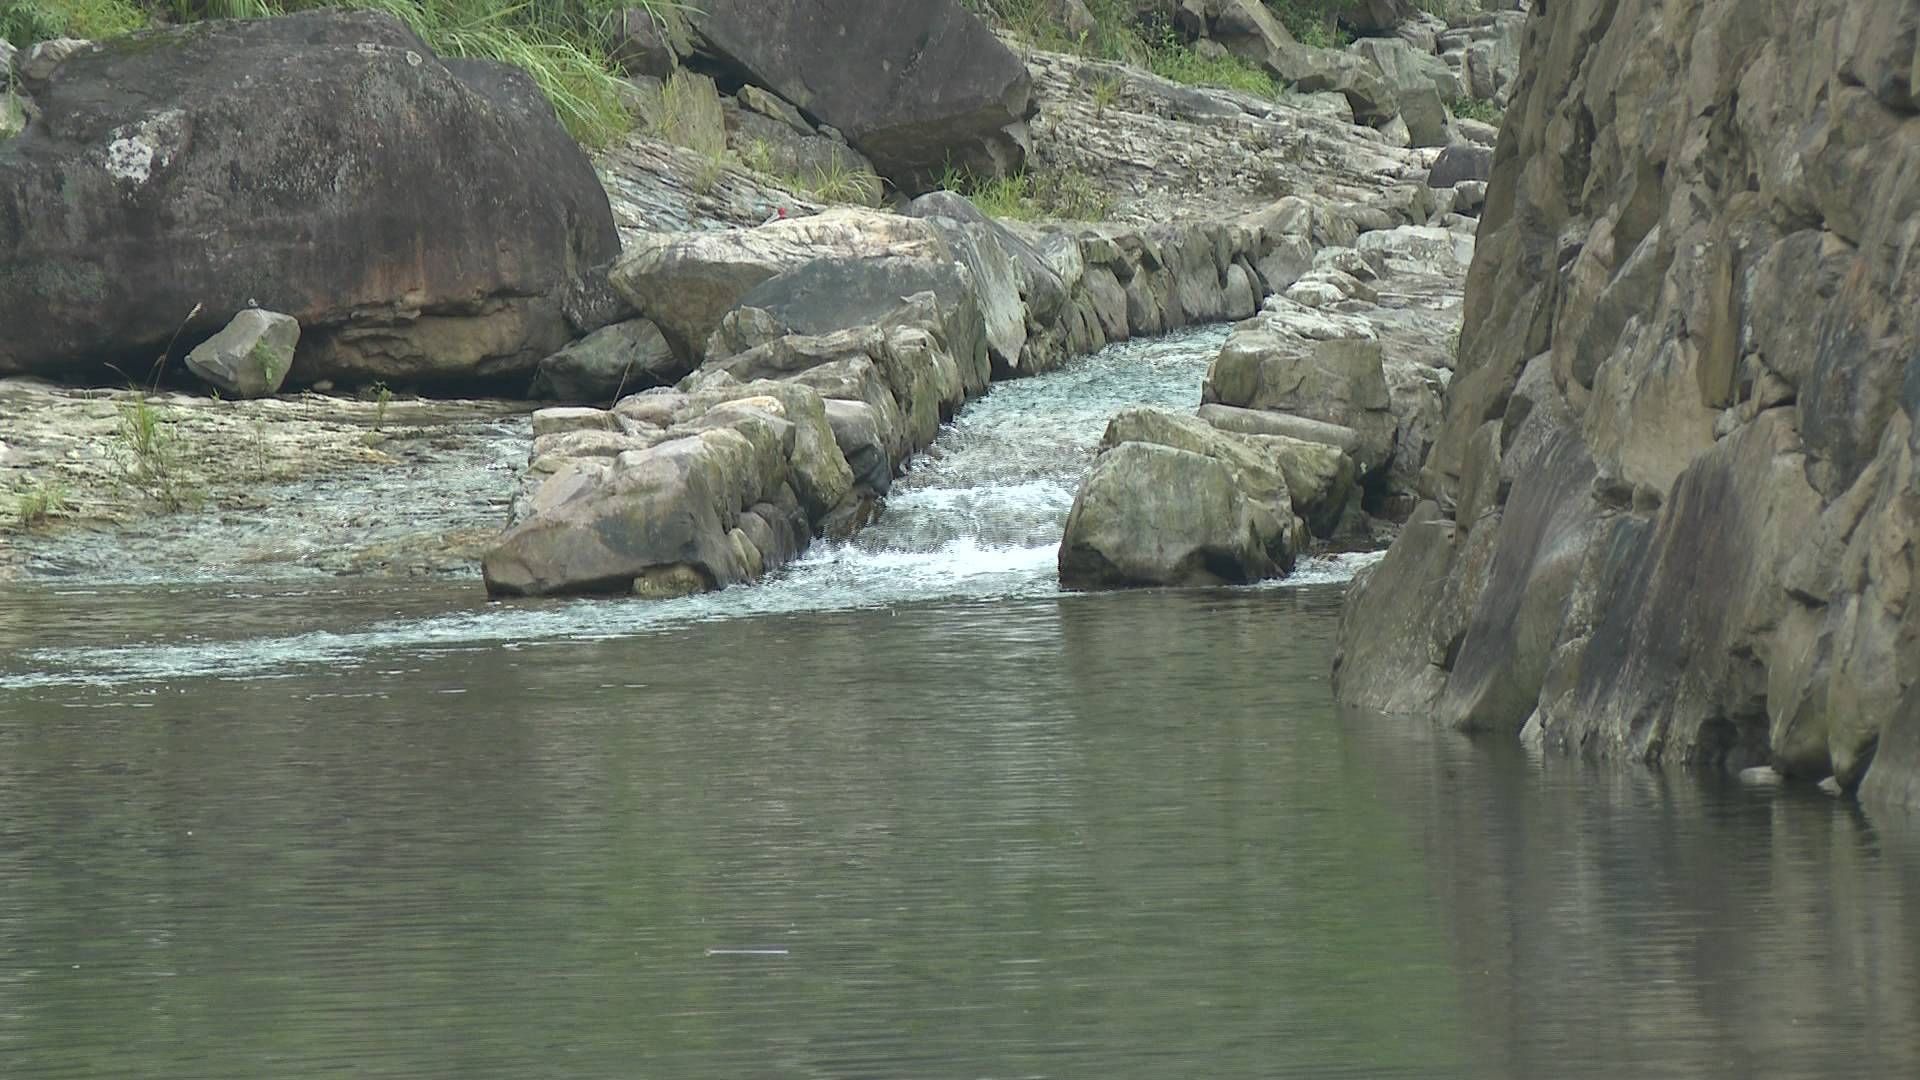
{"x":1053,"y":836}
{"x":904,"y":811}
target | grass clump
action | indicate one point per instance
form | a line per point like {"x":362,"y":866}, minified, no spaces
{"x":1025,"y":196}
{"x":149,"y":456}
{"x":1170,"y":58}
{"x":1474,"y":109}
{"x":40,"y":502}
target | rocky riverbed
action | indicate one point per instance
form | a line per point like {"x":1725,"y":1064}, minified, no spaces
{"x":1215,"y":200}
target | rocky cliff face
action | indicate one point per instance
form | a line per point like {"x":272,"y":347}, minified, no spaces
{"x":1672,"y":513}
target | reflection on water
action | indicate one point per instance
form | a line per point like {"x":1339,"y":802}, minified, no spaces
{"x":905,"y":811}
{"x":1056,"y":836}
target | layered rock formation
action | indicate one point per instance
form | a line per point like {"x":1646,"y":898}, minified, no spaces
{"x":864,"y":328}
{"x":1671,"y":513}
{"x":420,"y":218}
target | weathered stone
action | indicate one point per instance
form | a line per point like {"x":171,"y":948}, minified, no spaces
{"x":686,"y":282}
{"x":323,"y":164}
{"x":250,"y":358}
{"x":1680,"y":438}
{"x":933,"y":87}
{"x":607,"y":364}
{"x":1155,"y":515}
{"x":1461,"y":161}
{"x":1338,"y":381}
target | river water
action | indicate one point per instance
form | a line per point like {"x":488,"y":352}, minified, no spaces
{"x":906,"y":811}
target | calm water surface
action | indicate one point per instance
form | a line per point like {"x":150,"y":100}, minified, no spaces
{"x":906,"y":812}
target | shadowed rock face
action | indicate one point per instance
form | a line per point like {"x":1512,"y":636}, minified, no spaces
{"x":325,"y":165}
{"x":915,"y":85}
{"x":1677,"y":460}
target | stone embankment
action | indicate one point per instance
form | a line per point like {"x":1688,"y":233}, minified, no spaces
{"x":1670,"y":515}
{"x":1212,"y":201}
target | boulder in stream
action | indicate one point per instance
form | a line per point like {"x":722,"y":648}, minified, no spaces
{"x":1174,"y":501}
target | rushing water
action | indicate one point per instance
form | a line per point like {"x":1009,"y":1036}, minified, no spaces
{"x":906,"y":811}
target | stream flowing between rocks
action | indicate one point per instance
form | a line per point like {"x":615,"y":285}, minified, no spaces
{"x":905,"y":810}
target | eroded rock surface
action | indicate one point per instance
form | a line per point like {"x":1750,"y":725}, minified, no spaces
{"x":1672,"y":503}
{"x":418,"y":217}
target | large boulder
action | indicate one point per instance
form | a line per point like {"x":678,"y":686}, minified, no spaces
{"x":418,"y":217}
{"x":607,"y":364}
{"x":1156,"y":515}
{"x":916,"y":85}
{"x":686,"y":282}
{"x":1337,"y":379}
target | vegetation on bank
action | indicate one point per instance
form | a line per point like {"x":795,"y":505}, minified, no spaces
{"x":563,"y":44}
{"x":1067,"y":194}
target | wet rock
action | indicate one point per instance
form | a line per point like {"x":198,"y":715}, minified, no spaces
{"x":250,"y":357}
{"x":608,"y":363}
{"x":1156,"y":515}
{"x":324,"y":164}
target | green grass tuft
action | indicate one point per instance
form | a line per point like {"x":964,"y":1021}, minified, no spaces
{"x":1045,"y":193}
{"x":1474,"y":109}
{"x":149,"y":456}
{"x":40,"y":502}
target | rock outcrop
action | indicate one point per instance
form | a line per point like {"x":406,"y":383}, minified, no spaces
{"x":1670,"y":514}
{"x":867,"y":329}
{"x":419,"y":217}
{"x":932,"y":86}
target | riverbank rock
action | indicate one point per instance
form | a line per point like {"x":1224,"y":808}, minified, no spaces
{"x":1320,"y":366}
{"x":251,"y":357}
{"x":915,"y":85}
{"x":1671,"y":504}
{"x":609,"y":363}
{"x":417,"y":216}
{"x":1149,"y":514}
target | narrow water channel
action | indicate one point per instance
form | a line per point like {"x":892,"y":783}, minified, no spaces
{"x":907,"y":810}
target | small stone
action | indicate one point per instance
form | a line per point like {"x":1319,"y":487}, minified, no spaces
{"x":1831,"y":786}
{"x":251,"y":357}
{"x":1761,"y":776}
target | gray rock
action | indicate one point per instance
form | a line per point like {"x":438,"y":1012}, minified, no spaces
{"x":423,"y":243}
{"x":250,"y":358}
{"x":1461,"y":162}
{"x":42,"y":58}
{"x":644,"y":43}
{"x":1338,"y":381}
{"x":931,"y":87}
{"x":1262,"y":422}
{"x":1155,"y":515}
{"x":623,"y":358}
